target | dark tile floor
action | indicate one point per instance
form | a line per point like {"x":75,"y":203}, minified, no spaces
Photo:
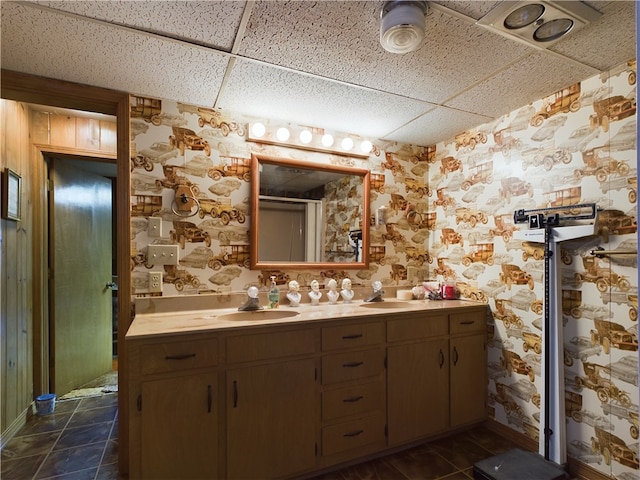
{"x":449,"y":458}
{"x":79,"y":441}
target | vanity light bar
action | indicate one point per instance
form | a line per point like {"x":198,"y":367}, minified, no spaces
{"x":307,"y":138}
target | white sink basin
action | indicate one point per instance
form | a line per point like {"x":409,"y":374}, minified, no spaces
{"x":386,"y":304}
{"x":257,"y":315}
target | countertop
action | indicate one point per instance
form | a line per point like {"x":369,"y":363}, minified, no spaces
{"x":220,"y":319}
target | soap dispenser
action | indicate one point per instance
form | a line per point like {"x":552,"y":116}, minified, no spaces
{"x":274,"y":294}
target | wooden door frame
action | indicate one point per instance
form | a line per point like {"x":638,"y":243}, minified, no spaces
{"x":21,"y":87}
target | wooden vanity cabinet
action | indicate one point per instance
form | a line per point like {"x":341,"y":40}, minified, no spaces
{"x":468,"y":383}
{"x":353,"y":391}
{"x":436,"y":371}
{"x":180,"y":427}
{"x":283,"y":401}
{"x":175,"y":409}
{"x":272,"y":404}
{"x":418,"y":376}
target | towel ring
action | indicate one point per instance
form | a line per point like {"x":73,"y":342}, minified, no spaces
{"x":184,"y":198}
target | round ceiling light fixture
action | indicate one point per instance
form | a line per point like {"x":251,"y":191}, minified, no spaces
{"x":547,"y":32}
{"x":402,"y":25}
{"x":524,"y":16}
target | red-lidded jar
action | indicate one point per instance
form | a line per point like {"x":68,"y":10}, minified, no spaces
{"x":448,"y":291}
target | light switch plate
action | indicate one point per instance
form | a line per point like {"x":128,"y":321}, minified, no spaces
{"x":155,"y":282}
{"x":162,"y":255}
{"x":154,"y":227}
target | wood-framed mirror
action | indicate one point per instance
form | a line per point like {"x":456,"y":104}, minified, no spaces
{"x":308,"y":215}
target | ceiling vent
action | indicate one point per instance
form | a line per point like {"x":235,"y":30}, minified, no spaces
{"x":402,"y":25}
{"x":538,"y":23}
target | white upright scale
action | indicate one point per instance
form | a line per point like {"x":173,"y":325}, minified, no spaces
{"x":552,"y":226}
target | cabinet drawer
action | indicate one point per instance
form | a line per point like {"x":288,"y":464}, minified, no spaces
{"x":353,"y":400}
{"x":356,"y":335}
{"x":341,"y":367}
{"x":467,"y":322}
{"x":349,"y":435}
{"x":172,"y":356}
{"x":412,"y":328}
{"x":263,"y":346}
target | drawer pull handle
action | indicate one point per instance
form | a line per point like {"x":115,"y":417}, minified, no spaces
{"x":352,"y":337}
{"x":354,"y":433}
{"x":209,"y":399}
{"x":441,"y":358}
{"x":184,"y":356}
{"x":235,"y":394}
{"x":352,"y":364}
{"x":353,"y":399}
{"x":468,"y":322}
{"x":455,"y":355}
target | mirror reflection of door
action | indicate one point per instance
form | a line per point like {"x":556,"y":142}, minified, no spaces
{"x":290,"y":230}
{"x":80,"y":255}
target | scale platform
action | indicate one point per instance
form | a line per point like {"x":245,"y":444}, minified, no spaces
{"x":518,"y":464}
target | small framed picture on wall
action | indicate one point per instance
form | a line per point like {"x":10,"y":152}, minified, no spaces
{"x":11,"y":195}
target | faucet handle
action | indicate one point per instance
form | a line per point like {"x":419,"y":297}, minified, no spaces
{"x":252,"y":302}
{"x":253,"y":292}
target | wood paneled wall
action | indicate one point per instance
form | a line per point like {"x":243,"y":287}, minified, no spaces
{"x":23,"y":293}
{"x":78,"y":133}
{"x":16,"y":314}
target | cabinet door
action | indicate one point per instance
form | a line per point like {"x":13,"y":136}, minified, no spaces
{"x":468,"y":379}
{"x":417,"y":390}
{"x":272,"y":414}
{"x":180,"y":427}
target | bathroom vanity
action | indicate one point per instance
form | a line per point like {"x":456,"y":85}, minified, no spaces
{"x":227,"y":394}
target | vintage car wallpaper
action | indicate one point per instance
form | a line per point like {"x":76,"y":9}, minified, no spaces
{"x":450,"y":216}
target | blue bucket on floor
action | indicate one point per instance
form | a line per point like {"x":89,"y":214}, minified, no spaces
{"x":45,"y":404}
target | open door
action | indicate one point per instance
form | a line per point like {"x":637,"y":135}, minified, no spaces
{"x":80,"y":242}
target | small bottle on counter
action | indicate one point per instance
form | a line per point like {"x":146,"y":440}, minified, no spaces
{"x":274,"y":294}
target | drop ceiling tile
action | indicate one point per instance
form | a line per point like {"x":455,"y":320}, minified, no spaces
{"x":341,"y":40}
{"x":435,"y":126}
{"x":82,"y":51}
{"x":261,"y":91}
{"x":607,"y":42}
{"x":140,"y":47}
{"x":528,"y":80}
{"x":473,"y":8}
{"x":206,"y":23}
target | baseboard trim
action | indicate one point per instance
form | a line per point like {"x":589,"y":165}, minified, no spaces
{"x":578,"y":470}
{"x":519,"y":439}
{"x":15,"y":427}
{"x":584,"y":471}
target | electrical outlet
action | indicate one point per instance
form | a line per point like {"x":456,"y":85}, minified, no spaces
{"x":154,"y":227}
{"x":162,"y":255}
{"x":155,"y":282}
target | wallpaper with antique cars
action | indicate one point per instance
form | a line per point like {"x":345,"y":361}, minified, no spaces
{"x":450,"y":216}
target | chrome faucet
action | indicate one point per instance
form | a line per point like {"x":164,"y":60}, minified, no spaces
{"x":253,"y":302}
{"x":376,"y":295}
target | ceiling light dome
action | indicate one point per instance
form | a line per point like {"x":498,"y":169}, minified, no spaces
{"x":402,"y":25}
{"x":523,"y":16}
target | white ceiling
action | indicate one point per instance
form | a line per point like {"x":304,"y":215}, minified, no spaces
{"x":316,"y":63}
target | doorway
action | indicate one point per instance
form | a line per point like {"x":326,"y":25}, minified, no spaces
{"x":48,"y":91}
{"x":83,"y":281}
